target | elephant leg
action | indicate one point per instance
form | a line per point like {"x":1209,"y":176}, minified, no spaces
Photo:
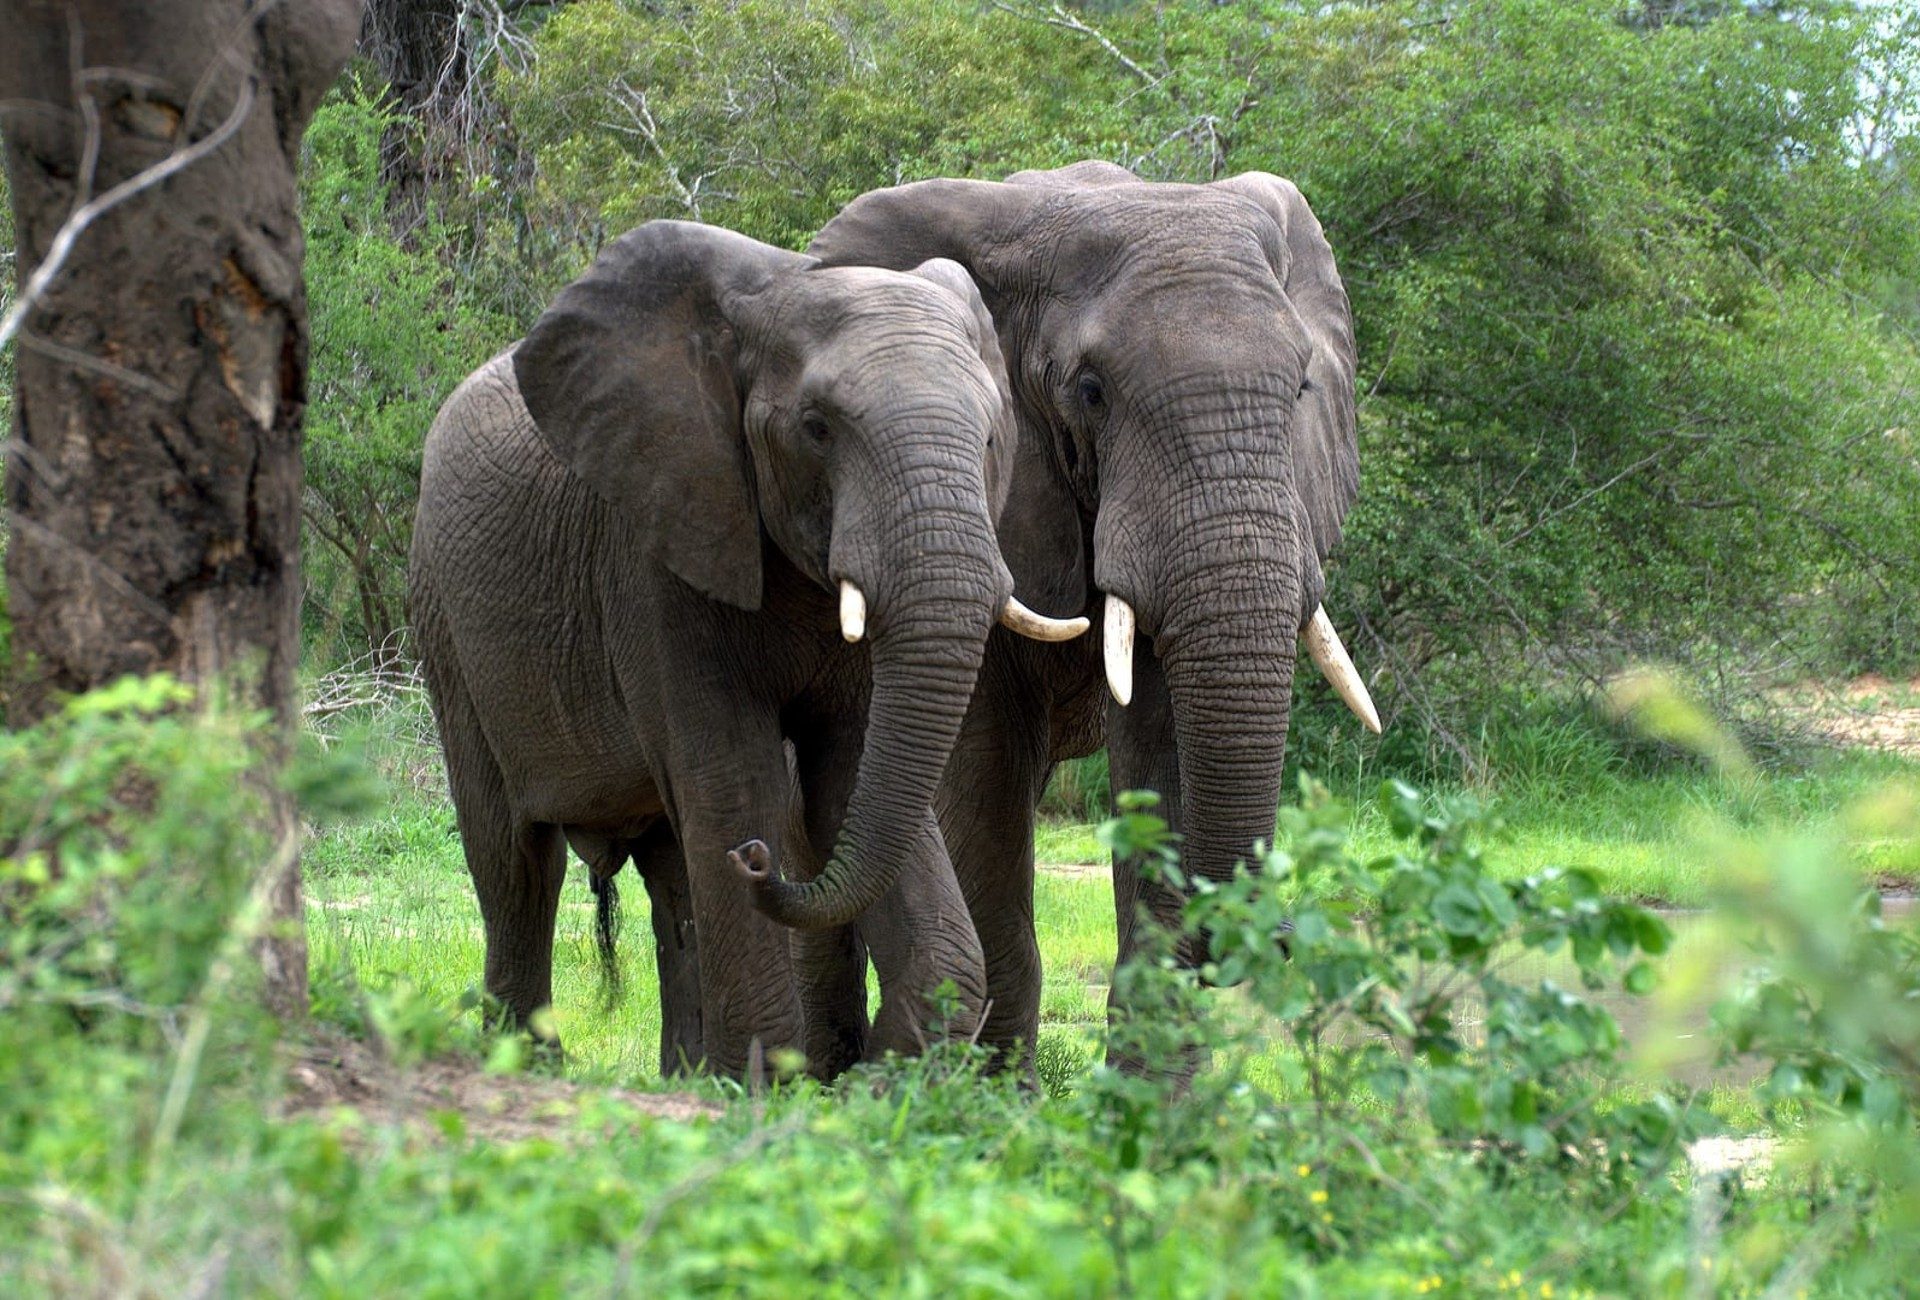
{"x":830,"y":966}
{"x":1141,"y":756}
{"x":919,"y":933}
{"x":987,"y":803}
{"x":923,"y":940}
{"x":517,"y":868}
{"x":676,"y":949}
{"x":517,"y":872}
{"x":745,"y":969}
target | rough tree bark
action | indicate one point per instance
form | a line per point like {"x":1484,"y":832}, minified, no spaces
{"x":416,"y":47}
{"x":153,"y":480}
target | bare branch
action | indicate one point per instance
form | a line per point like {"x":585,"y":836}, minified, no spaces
{"x":648,"y":131}
{"x":1058,"y":16}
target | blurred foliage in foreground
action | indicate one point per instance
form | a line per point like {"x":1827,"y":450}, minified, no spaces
{"x":1635,"y":287}
{"x":1392,"y":1110}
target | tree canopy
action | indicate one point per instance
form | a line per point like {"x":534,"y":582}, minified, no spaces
{"x":1635,"y":289}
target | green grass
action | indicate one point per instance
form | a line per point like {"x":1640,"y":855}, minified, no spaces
{"x":914,"y":1178}
{"x":1648,"y":837}
{"x":390,"y":900}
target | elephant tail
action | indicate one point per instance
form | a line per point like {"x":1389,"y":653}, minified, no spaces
{"x":606,"y":935}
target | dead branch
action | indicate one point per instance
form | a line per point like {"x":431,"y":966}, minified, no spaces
{"x":1058,"y":16}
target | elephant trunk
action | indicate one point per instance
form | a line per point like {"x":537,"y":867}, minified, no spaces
{"x":937,"y":584}
{"x":1226,"y":645}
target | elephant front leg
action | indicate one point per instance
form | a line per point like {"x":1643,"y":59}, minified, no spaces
{"x":933,"y":975}
{"x":919,"y":934}
{"x":830,"y":965}
{"x":1141,"y":755}
{"x":745,"y":971}
{"x":987,"y":802}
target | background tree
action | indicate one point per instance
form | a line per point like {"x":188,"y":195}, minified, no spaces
{"x":1635,"y":287}
{"x":154,"y":478}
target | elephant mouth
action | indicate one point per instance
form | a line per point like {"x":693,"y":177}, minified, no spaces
{"x":1013,"y":616}
{"x":1323,"y":645}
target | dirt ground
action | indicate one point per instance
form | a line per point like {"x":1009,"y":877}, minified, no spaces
{"x":1871,"y":711}
{"x":331,"y":1071}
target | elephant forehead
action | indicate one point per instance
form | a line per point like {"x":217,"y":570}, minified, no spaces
{"x":870,"y":383}
{"x":837,"y":299}
{"x":1163,"y":226}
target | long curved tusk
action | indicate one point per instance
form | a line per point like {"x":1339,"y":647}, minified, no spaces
{"x":1018,"y":618}
{"x":1330,"y":657}
{"x":853,"y":611}
{"x":1118,"y":633}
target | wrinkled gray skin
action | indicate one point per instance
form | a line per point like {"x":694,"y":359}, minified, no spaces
{"x":630,"y":533}
{"x":1182,"y":363}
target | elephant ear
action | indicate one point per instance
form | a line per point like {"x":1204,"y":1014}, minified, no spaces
{"x":1326,"y":458}
{"x":630,"y":376}
{"x":901,"y":227}
{"x":953,"y":277}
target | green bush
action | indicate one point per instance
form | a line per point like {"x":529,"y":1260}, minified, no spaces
{"x":131,"y":831}
{"x":395,"y":328}
{"x":1388,"y":1108}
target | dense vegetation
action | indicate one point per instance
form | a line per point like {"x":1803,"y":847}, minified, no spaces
{"x":1635,"y":290}
{"x":1430,"y":1096}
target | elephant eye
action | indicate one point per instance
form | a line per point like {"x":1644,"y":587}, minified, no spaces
{"x":1092,"y":395}
{"x":814,"y":426}
{"x":1306,"y":386}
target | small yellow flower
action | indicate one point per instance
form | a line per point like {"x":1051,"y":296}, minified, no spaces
{"x":1326,"y":1217}
{"x":1304,"y":1170}
{"x":1546,"y":1291}
{"x":1319,"y":1196}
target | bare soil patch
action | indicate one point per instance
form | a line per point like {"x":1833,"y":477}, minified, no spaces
{"x":333,"y":1072}
{"x":1870,"y":711}
{"x":1075,"y":870}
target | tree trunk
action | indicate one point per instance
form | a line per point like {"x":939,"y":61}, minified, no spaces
{"x":420,"y":51}
{"x":154,"y":480}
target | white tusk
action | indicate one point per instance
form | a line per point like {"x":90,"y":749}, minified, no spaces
{"x":1018,"y":618}
{"x":1330,"y":657}
{"x":1118,"y":631}
{"x":853,"y":611}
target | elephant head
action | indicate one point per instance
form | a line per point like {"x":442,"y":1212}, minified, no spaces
{"x":1185,"y":356}
{"x":724,"y":395}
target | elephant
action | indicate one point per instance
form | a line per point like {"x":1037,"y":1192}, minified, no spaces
{"x":721,"y":504}
{"x":1182,"y":361}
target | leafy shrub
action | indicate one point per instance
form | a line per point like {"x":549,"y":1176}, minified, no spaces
{"x":90,"y":802}
{"x":1386,"y":979}
{"x":1395,"y":960}
{"x":395,"y":328}
{"x":131,"y":829}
